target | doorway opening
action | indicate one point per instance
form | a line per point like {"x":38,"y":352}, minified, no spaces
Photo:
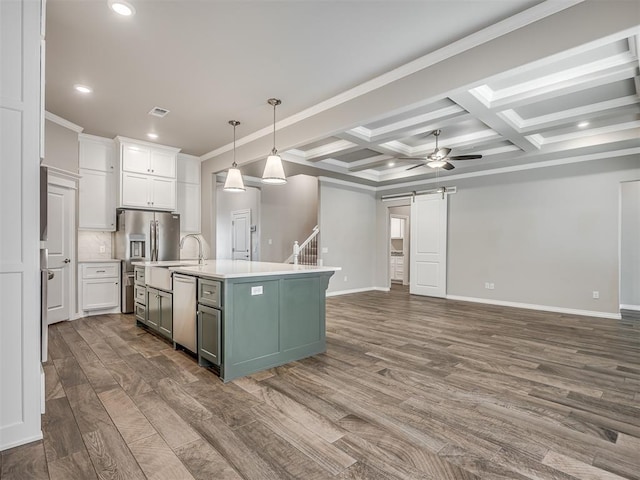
{"x":629,"y":252}
{"x":399,"y":244}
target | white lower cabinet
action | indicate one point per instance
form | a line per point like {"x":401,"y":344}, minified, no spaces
{"x":99,"y":286}
{"x":396,"y":268}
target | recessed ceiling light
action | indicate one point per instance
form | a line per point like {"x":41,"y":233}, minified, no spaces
{"x":583,"y":124}
{"x":82,"y":88}
{"x":391,"y":164}
{"x":122,"y":8}
{"x":153,"y":136}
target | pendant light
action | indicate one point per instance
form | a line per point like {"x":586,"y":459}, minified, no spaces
{"x":234,"y":182}
{"x":273,"y":170}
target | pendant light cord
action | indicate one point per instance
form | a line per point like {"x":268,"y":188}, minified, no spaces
{"x":274,"y":151}
{"x":234,"y":146}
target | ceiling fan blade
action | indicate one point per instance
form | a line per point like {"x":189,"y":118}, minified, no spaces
{"x":416,"y":166}
{"x":448,"y":166}
{"x":465,"y":157}
{"x":421,"y":159}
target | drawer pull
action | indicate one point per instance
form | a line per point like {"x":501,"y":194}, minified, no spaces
{"x":207,"y":292}
{"x":100,"y":271}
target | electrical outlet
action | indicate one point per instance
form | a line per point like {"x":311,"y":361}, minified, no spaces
{"x":270,"y":241}
{"x":325,"y":249}
{"x":103,"y":249}
{"x":492,"y":286}
{"x":596,"y":294}
{"x":486,"y":285}
{"x":489,"y":286}
{"x":345,"y":278}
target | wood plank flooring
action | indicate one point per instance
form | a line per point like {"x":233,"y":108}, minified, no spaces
{"x":409,"y":388}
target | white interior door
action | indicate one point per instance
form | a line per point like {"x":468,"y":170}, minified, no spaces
{"x":60,"y":224}
{"x":241,"y":235}
{"x":429,"y":246}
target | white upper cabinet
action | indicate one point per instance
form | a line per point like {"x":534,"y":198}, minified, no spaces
{"x":97,"y":186}
{"x":147,"y":175}
{"x":397,"y":227}
{"x":147,"y":158}
{"x":189,"y":193}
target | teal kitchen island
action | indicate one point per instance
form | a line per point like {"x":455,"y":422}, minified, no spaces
{"x":252,"y":316}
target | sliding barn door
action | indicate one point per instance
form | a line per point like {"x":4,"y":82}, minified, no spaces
{"x":429,"y":245}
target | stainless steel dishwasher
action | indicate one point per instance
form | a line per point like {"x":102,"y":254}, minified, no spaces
{"x":184,"y":312}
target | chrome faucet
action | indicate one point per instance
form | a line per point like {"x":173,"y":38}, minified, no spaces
{"x":200,"y":256}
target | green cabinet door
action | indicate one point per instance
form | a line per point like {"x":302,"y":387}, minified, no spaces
{"x":153,"y":308}
{"x":165,"y":322}
{"x":209,"y":334}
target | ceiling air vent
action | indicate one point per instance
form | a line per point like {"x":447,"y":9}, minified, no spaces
{"x":158,"y":112}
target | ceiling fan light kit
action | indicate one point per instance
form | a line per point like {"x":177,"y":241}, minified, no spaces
{"x":440,"y":157}
{"x":273,"y":173}
{"x":234,"y":182}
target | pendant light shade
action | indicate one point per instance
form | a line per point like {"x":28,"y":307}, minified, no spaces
{"x":234,"y":182}
{"x":273,"y":170}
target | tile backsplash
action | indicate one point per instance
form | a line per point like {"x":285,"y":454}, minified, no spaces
{"x":89,"y":244}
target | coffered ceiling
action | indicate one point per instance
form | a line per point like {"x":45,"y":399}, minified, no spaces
{"x":584,"y":101}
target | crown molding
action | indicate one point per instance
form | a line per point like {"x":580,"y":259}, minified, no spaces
{"x":62,"y":122}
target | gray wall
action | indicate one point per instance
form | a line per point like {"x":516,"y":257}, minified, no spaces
{"x":60,"y":147}
{"x":289,"y":213}
{"x":630,"y":245}
{"x":228,"y":202}
{"x":348,"y":230}
{"x":545,"y":237}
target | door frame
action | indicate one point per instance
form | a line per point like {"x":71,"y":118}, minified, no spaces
{"x":233,"y":213}
{"x":69,"y":180}
{"x":400,"y":202}
{"x":406,"y":236}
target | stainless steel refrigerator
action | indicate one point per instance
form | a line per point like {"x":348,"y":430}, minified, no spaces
{"x":144,"y":236}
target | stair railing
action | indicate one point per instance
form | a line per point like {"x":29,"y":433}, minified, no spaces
{"x":307,"y":252}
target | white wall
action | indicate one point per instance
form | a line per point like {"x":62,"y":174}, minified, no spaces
{"x":630,"y":246}
{"x":20,"y":392}
{"x":347,"y":221}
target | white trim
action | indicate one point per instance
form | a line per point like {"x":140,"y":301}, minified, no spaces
{"x":94,"y":138}
{"x":485,"y":35}
{"x":630,"y":307}
{"x":530,"y":306}
{"x":357,"y":290}
{"x":62,"y":122}
{"x":62,"y":178}
{"x":22,"y":441}
{"x":347,"y":184}
{"x":517,"y":168}
{"x":119,"y":139}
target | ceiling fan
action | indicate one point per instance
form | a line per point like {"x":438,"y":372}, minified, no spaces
{"x":440,"y":157}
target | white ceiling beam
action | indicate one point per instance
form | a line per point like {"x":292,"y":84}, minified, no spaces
{"x":473,"y":105}
{"x":372,"y":162}
{"x":330,"y":150}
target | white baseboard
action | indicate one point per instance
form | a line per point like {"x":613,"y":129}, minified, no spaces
{"x":544,"y":308}
{"x":630,"y":307}
{"x":22,"y":441}
{"x":42,"y":391}
{"x":357,"y":290}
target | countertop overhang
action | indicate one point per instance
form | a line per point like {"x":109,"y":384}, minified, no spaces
{"x":222,"y":269}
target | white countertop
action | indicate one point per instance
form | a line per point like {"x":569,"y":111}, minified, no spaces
{"x":166,"y":263}
{"x":100,"y":260}
{"x":221,"y":269}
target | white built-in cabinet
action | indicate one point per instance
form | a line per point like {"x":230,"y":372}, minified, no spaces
{"x":397,"y":227}
{"x":396,"y":268}
{"x":99,"y":287}
{"x":147,"y":175}
{"x":189,"y":193}
{"x":97,"y":186}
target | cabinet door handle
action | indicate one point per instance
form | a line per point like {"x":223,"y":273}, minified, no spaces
{"x":207,"y":293}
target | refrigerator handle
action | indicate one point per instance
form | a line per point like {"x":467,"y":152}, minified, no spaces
{"x":152,"y":239}
{"x":156,"y":240}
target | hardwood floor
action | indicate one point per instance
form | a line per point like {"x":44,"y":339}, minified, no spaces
{"x":409,"y":388}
